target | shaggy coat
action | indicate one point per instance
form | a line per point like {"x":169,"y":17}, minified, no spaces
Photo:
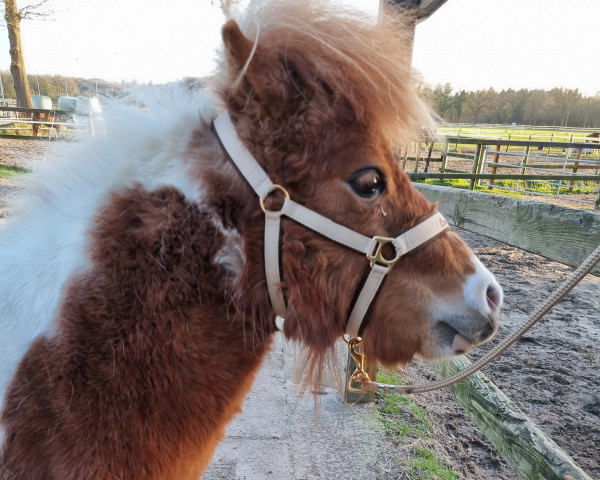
{"x":134,"y":311}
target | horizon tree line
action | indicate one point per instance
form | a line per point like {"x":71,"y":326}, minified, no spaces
{"x":559,"y":107}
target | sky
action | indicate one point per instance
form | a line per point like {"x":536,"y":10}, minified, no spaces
{"x":472,"y":44}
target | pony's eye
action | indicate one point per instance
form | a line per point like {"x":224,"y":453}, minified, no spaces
{"x":367,"y":183}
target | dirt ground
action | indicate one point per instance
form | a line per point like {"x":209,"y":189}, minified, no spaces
{"x":552,"y":373}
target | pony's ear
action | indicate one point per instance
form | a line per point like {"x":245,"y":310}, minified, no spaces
{"x":258,"y":72}
{"x":237,"y":48}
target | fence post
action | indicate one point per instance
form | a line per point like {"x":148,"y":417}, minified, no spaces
{"x":496,"y":160}
{"x":428,"y":159}
{"x":417,"y":156}
{"x":445,"y":157}
{"x":405,"y":157}
{"x":577,"y":157}
{"x":475,"y":169}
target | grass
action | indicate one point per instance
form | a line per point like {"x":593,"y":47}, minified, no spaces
{"x":407,"y":425}
{"x":518,"y":133}
{"x":7,"y":171}
{"x":530,"y":186}
{"x":427,"y":466}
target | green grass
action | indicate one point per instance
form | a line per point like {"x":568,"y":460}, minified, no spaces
{"x":517,"y":133}
{"x":7,"y":171}
{"x":533,"y":187}
{"x":407,"y":425}
{"x":426,"y":466}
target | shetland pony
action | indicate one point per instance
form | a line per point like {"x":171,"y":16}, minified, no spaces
{"x":134,"y":303}
{"x":49,"y":119}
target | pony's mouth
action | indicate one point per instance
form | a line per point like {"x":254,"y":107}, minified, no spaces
{"x":461,"y":342}
{"x":460,"y":345}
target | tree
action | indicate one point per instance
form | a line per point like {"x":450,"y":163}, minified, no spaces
{"x":227,"y":6}
{"x":565,"y":99}
{"x":13,"y":16}
{"x":479,"y":102}
{"x":442,"y":97}
{"x":458,"y":102}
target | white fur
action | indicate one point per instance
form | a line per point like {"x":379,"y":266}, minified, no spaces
{"x":476,"y":288}
{"x":43,"y":244}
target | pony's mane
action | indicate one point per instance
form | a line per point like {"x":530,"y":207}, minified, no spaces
{"x":369,"y":62}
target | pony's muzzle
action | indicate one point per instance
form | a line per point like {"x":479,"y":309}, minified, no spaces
{"x":482,"y":291}
{"x":461,"y":324}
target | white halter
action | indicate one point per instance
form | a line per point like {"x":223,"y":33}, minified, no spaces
{"x":371,"y":247}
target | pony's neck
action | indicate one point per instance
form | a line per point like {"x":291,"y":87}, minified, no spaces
{"x":227,"y":194}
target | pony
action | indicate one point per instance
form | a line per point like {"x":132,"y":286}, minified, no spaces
{"x":141,"y":271}
{"x":49,"y":119}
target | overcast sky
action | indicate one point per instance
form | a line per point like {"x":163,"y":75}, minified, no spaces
{"x":472,"y":44}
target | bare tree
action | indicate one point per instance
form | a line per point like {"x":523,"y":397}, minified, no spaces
{"x":13,"y":16}
{"x":226,"y":6}
{"x":565,"y":99}
{"x":479,"y":102}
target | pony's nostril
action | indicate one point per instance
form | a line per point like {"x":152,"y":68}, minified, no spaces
{"x":493,"y":295}
{"x":482,"y":291}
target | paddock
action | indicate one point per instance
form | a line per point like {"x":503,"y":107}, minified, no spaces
{"x":552,"y":378}
{"x":554,"y":169}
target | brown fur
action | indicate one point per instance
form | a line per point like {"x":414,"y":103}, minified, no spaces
{"x":48,"y":119}
{"x":147,"y":369}
{"x":158,"y":342}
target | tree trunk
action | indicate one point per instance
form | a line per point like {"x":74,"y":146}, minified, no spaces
{"x":17,"y":63}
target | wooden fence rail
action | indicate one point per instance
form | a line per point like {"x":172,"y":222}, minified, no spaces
{"x":527,"y":161}
{"x":561,"y":234}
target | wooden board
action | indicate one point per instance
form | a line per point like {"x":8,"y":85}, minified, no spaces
{"x":561,"y":234}
{"x":528,"y":450}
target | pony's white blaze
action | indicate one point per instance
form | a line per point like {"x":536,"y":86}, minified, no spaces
{"x":460,"y":322}
{"x":482,"y":291}
{"x":62,"y":198}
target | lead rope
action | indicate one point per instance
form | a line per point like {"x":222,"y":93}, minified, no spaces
{"x":366,"y":385}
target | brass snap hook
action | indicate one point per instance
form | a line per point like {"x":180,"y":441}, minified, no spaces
{"x":359,"y":375}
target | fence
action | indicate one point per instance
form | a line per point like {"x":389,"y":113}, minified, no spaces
{"x":539,"y":228}
{"x":520,"y":132}
{"x":566,"y":170}
{"x":20,"y":122}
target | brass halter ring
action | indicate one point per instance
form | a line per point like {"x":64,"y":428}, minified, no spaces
{"x":378,"y":257}
{"x":275,"y":187}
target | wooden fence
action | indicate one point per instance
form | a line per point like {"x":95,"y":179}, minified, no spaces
{"x":558,"y":165}
{"x":539,"y":228}
{"x":18,"y":120}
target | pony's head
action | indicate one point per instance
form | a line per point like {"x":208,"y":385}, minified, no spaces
{"x":322,"y":99}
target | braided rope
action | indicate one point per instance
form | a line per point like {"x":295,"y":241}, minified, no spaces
{"x":585,"y":268}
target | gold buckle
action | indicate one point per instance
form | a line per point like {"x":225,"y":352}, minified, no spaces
{"x":378,"y":257}
{"x":275,"y":187}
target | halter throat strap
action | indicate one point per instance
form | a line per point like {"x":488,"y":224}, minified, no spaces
{"x":372,"y":247}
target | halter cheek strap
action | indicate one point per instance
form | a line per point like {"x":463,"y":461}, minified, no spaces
{"x":371,"y":247}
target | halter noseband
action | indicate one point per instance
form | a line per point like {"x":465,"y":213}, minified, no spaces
{"x":371,"y":247}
